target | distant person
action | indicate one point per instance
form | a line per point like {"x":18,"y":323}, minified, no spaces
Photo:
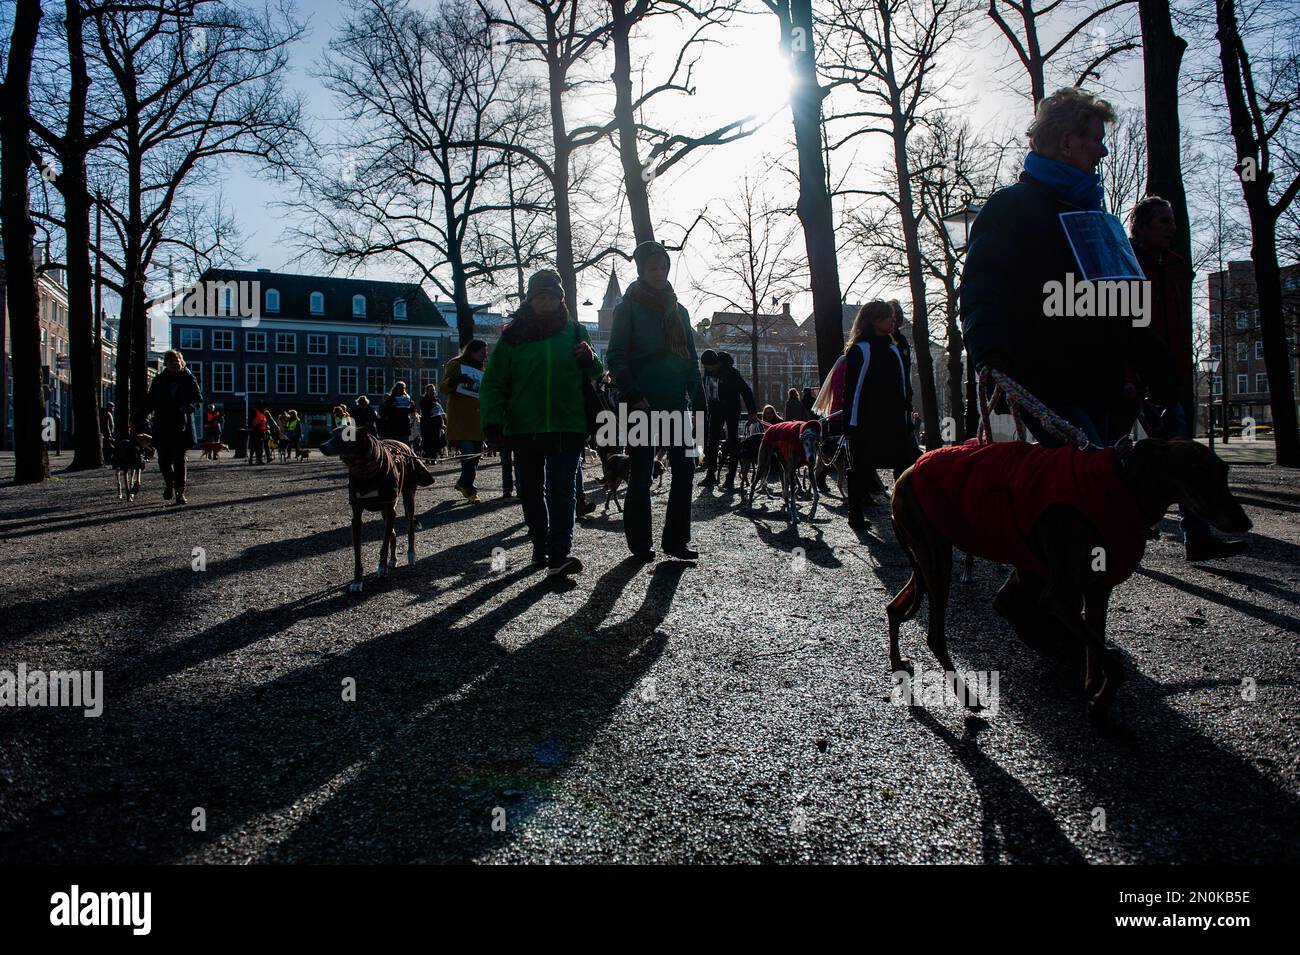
{"x":794,"y":407}
{"x":173,"y":396}
{"x":259,"y":428}
{"x":293,"y":431}
{"x":395,"y":414}
{"x":461,"y":379}
{"x":365,"y":417}
{"x":433,"y":422}
{"x":724,"y":390}
{"x":108,"y":432}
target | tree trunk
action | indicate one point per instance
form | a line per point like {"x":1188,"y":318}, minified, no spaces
{"x":31,"y":459}
{"x":1162,"y":55}
{"x":1263,"y":234}
{"x":814,"y":204}
{"x":88,"y":449}
{"x":638,"y":197}
{"x":564,"y":263}
{"x":956,"y":346}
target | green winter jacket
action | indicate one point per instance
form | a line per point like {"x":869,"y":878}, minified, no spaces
{"x":535,"y":387}
{"x":643,"y":367}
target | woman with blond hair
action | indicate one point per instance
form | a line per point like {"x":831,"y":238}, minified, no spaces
{"x":173,"y":396}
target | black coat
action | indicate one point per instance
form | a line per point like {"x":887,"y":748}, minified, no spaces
{"x":1017,"y":245}
{"x":878,"y":399}
{"x":172,"y":398}
{"x":725,"y":392}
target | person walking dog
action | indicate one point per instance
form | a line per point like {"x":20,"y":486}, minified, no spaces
{"x":461,"y":379}
{"x":172,"y":397}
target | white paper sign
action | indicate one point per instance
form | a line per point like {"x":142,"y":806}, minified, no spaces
{"x":476,"y":379}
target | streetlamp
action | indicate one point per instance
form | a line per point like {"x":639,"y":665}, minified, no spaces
{"x":958,"y":224}
{"x":1210,"y":366}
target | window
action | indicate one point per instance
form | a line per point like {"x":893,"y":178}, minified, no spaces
{"x":196,"y":369}
{"x":1216,"y":386}
{"x":272,"y":300}
{"x":286,"y":342}
{"x":317,"y":379}
{"x":255,"y":341}
{"x":191,"y":338}
{"x":1215,"y":350}
{"x":375,"y":381}
{"x":347,"y":380}
{"x":358,"y":306}
{"x":223,"y":377}
{"x":1243,"y":384}
{"x":404,"y":374}
{"x":1254,"y":318}
{"x":1241,"y":319}
{"x":1261,"y":384}
{"x":428,"y":376}
{"x":1241,"y":351}
{"x":317,"y":345}
{"x":317,"y":303}
{"x":1259,"y":350}
{"x":401,"y":348}
{"x":347,"y":344}
{"x":375,"y":347}
{"x":255,"y":379}
{"x":286,"y":379}
{"x":428,"y":348}
{"x":223,"y":339}
{"x":227,"y":300}
{"x":399,"y":310}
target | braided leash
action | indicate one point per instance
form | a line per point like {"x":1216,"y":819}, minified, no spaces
{"x":1018,"y":399}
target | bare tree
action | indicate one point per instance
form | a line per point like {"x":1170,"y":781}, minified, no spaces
{"x":31,"y":459}
{"x":1124,"y":171}
{"x":754,"y":263}
{"x":814,"y":203}
{"x":1084,"y":41}
{"x":1262,"y":111}
{"x":887,"y":51}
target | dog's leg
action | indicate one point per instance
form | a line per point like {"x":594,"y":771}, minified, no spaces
{"x":355,"y":586}
{"x":1096,"y":601}
{"x":968,"y":569}
{"x":789,"y":484}
{"x":408,"y":501}
{"x":388,"y":553}
{"x":816,"y":492}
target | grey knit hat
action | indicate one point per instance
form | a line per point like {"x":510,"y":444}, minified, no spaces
{"x":544,"y":281}
{"x":646,"y":251}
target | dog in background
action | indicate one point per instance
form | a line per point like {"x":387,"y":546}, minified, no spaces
{"x":380,"y":472}
{"x":129,"y":456}
{"x":303,"y":454}
{"x":1076,"y":522}
{"x":794,"y":444}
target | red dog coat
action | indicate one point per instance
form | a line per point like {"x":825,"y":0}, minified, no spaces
{"x":788,"y":438}
{"x":986,"y":498}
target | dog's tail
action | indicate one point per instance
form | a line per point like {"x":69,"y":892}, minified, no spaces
{"x":908,"y":600}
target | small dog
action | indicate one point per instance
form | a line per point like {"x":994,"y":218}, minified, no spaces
{"x":303,"y":454}
{"x":129,"y":456}
{"x":379,"y":472}
{"x":794,"y":444}
{"x":659,"y":468}
{"x":615,"y":469}
{"x":1076,"y":519}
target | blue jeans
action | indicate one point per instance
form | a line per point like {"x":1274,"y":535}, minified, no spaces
{"x":548,"y":492}
{"x":468,"y":463}
{"x":636,"y":503}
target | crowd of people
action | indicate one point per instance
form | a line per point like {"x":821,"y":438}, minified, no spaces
{"x":533,"y":398}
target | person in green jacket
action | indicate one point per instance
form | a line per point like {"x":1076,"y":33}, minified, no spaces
{"x":652,"y":358}
{"x":531,"y":402}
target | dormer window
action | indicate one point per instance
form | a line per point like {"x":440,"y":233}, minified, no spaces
{"x":399,"y":309}
{"x":272,"y":300}
{"x":358,"y":306}
{"x":317,"y":303}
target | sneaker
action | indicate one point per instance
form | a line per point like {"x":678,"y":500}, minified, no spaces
{"x":471,"y":496}
{"x":180,"y":499}
{"x":860,"y":524}
{"x":585,"y":507}
{"x":682,"y":553}
{"x":539,"y":557}
{"x":644,"y":556}
{"x":1212,"y":549}
{"x":709,"y":482}
{"x":564,"y":567}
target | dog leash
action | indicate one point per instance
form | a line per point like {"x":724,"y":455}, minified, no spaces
{"x":1018,"y":399}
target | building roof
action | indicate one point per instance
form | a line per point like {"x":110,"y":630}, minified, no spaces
{"x":295,"y":296}
{"x":613,"y":295}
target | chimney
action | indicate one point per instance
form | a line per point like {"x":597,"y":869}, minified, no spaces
{"x":785,"y":309}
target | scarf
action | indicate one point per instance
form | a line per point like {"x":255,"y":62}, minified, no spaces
{"x":663,"y":301}
{"x":1080,"y":188}
{"x":527,"y":326}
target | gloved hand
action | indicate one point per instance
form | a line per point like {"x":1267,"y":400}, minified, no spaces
{"x":494,"y":436}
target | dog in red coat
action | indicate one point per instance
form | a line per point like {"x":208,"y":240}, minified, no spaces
{"x":794,"y":444}
{"x":1076,"y":520}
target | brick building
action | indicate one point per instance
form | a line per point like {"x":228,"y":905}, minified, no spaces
{"x":315,"y":342}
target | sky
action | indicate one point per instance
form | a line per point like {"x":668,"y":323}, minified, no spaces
{"x":743,"y":73}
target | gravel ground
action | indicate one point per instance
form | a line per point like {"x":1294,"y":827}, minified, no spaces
{"x":737,"y":711}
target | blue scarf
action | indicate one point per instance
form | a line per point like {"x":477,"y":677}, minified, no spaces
{"x":1081,"y":188}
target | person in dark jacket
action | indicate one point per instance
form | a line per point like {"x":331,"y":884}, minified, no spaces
{"x":172,"y":397}
{"x":366,"y":418}
{"x":433,"y":422}
{"x":795,"y":409}
{"x":651,"y":356}
{"x":395,"y":414}
{"x":877,"y":403}
{"x":724,"y":389}
{"x":1076,"y":366}
{"x":1152,"y":229}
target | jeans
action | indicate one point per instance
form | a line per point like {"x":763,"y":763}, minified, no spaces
{"x":509,"y":471}
{"x":171,"y":462}
{"x":469,"y":451}
{"x":636,"y":503}
{"x":547,"y":490}
{"x":718,"y":419}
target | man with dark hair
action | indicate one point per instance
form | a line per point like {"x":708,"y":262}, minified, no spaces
{"x":1152,"y":229}
{"x":724,"y":389}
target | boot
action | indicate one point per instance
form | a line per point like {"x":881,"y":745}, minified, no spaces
{"x":857,"y":520}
